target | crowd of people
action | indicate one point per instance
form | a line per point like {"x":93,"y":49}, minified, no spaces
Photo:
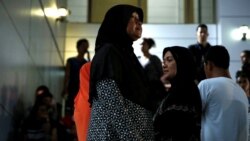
{"x":189,"y":96}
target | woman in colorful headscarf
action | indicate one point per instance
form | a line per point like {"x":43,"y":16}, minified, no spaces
{"x":119,"y":92}
{"x":178,"y":117}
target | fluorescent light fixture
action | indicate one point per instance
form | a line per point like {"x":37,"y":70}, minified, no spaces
{"x":57,"y":13}
{"x":241,"y":33}
{"x":63,"y":12}
{"x":244,"y":30}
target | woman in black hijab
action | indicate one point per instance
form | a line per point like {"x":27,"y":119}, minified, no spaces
{"x":119,"y":94}
{"x":178,"y":117}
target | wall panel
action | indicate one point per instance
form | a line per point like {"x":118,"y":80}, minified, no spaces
{"x":31,"y":55}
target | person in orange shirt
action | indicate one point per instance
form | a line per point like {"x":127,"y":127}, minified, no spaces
{"x":82,"y":106}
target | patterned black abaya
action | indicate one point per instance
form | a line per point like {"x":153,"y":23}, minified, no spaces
{"x":118,"y":89}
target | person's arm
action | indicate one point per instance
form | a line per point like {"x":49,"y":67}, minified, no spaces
{"x":88,"y":56}
{"x":66,"y":79}
{"x":204,"y":93}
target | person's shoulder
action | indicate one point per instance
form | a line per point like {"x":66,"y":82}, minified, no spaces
{"x":192,"y":46}
{"x":208,"y":44}
{"x":207,"y":82}
{"x":106,"y":51}
{"x":71,"y":59}
{"x":106,"y":48}
{"x":215,"y":81}
{"x":154,"y":57}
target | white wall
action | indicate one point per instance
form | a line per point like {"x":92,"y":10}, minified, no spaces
{"x":159,"y":11}
{"x":172,"y":35}
{"x":29,"y":57}
{"x":169,"y":35}
{"x":165,"y":11}
{"x":79,"y":10}
{"x":164,"y":35}
{"x":231,"y":15}
{"x":76,"y":31}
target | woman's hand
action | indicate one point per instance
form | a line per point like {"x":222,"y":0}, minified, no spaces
{"x":165,"y":82}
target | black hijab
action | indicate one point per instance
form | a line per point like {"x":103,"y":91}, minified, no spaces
{"x":183,"y":96}
{"x":114,"y":26}
{"x":184,"y":91}
{"x":114,"y":57}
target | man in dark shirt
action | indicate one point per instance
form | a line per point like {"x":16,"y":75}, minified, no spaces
{"x":73,"y":66}
{"x":199,"y":50}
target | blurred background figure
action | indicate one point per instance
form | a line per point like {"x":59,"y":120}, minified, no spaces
{"x":245,"y":57}
{"x":44,"y":96}
{"x":243,"y":80}
{"x":245,"y":62}
{"x":41,"y":89}
{"x":38,"y":126}
{"x":199,"y":50}
{"x":73,"y":66}
{"x":152,"y":64}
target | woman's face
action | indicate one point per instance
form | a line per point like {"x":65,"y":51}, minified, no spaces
{"x":169,"y":66}
{"x":134,"y":28}
{"x":243,"y":82}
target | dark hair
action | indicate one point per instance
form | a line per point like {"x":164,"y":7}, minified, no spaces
{"x":149,"y":41}
{"x":41,"y":89}
{"x":42,"y":92}
{"x":247,"y":52}
{"x":241,"y":73}
{"x":185,"y":62}
{"x":202,"y":26}
{"x":218,"y":55}
{"x":80,"y":41}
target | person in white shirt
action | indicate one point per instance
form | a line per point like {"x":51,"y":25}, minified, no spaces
{"x":224,"y":102}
